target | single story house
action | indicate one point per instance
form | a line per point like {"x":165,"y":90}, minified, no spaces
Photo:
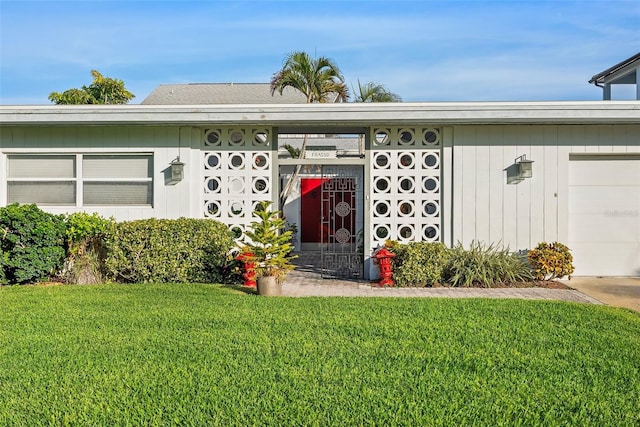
{"x":512,"y":173}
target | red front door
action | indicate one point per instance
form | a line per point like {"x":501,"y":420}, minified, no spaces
{"x":311,"y":209}
{"x":339,"y":199}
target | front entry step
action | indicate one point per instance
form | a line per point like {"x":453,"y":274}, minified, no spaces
{"x":308,"y":270}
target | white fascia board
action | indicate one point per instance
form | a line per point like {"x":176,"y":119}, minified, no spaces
{"x":341,"y":114}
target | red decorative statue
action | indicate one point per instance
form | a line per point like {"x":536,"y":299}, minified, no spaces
{"x":249,"y":274}
{"x":382,"y":258}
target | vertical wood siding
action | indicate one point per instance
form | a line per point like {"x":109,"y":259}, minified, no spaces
{"x":486,"y":208}
{"x":165,"y":143}
{"x":478,"y":204}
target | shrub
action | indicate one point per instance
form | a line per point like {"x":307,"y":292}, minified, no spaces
{"x":551,"y":260}
{"x":269,"y":243}
{"x":485,"y":266}
{"x":86,"y":247}
{"x":418,"y":263}
{"x":32,"y":243}
{"x":168,"y":250}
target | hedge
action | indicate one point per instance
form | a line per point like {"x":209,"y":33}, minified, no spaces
{"x":32,"y":244}
{"x":168,"y":250}
{"x":419,"y":263}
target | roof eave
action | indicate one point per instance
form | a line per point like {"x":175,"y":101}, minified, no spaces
{"x":344,"y":114}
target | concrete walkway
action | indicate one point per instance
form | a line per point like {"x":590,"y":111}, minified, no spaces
{"x":306,"y":282}
{"x":615,"y":291}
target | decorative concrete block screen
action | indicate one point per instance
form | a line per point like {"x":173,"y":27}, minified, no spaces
{"x":405,"y":173}
{"x":237,"y":166}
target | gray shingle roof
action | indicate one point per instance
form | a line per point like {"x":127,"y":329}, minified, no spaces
{"x":221,"y":93}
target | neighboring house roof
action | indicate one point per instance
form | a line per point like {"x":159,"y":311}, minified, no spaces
{"x":221,"y":93}
{"x":623,"y":69}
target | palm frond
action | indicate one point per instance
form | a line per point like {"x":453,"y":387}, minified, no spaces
{"x":374,"y":92}
{"x":319,"y":79}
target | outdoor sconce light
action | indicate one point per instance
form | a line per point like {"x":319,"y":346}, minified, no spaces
{"x":176,"y":172}
{"x":525,"y":169}
{"x":519,"y":170}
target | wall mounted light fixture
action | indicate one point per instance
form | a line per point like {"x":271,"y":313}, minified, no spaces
{"x":176,"y":168}
{"x":519,"y":170}
{"x":525,"y":169}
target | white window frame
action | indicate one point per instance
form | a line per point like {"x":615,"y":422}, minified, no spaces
{"x":73,"y":179}
{"x":79,"y":180}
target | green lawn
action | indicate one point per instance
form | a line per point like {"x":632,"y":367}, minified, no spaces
{"x":206,"y":355}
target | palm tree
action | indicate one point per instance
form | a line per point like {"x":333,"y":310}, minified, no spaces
{"x":319,"y":80}
{"x":373,"y":92}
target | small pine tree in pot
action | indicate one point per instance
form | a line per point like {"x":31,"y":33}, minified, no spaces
{"x":270,"y":246}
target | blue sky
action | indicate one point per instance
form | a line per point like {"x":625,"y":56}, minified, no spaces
{"x":422,"y":50}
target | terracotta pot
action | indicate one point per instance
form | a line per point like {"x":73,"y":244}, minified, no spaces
{"x":269,"y":286}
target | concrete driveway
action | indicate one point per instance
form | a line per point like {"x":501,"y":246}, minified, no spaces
{"x":614,"y":291}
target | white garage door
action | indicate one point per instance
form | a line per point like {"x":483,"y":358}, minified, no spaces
{"x":604,"y":215}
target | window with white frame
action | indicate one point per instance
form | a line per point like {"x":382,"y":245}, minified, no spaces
{"x":80,"y":179}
